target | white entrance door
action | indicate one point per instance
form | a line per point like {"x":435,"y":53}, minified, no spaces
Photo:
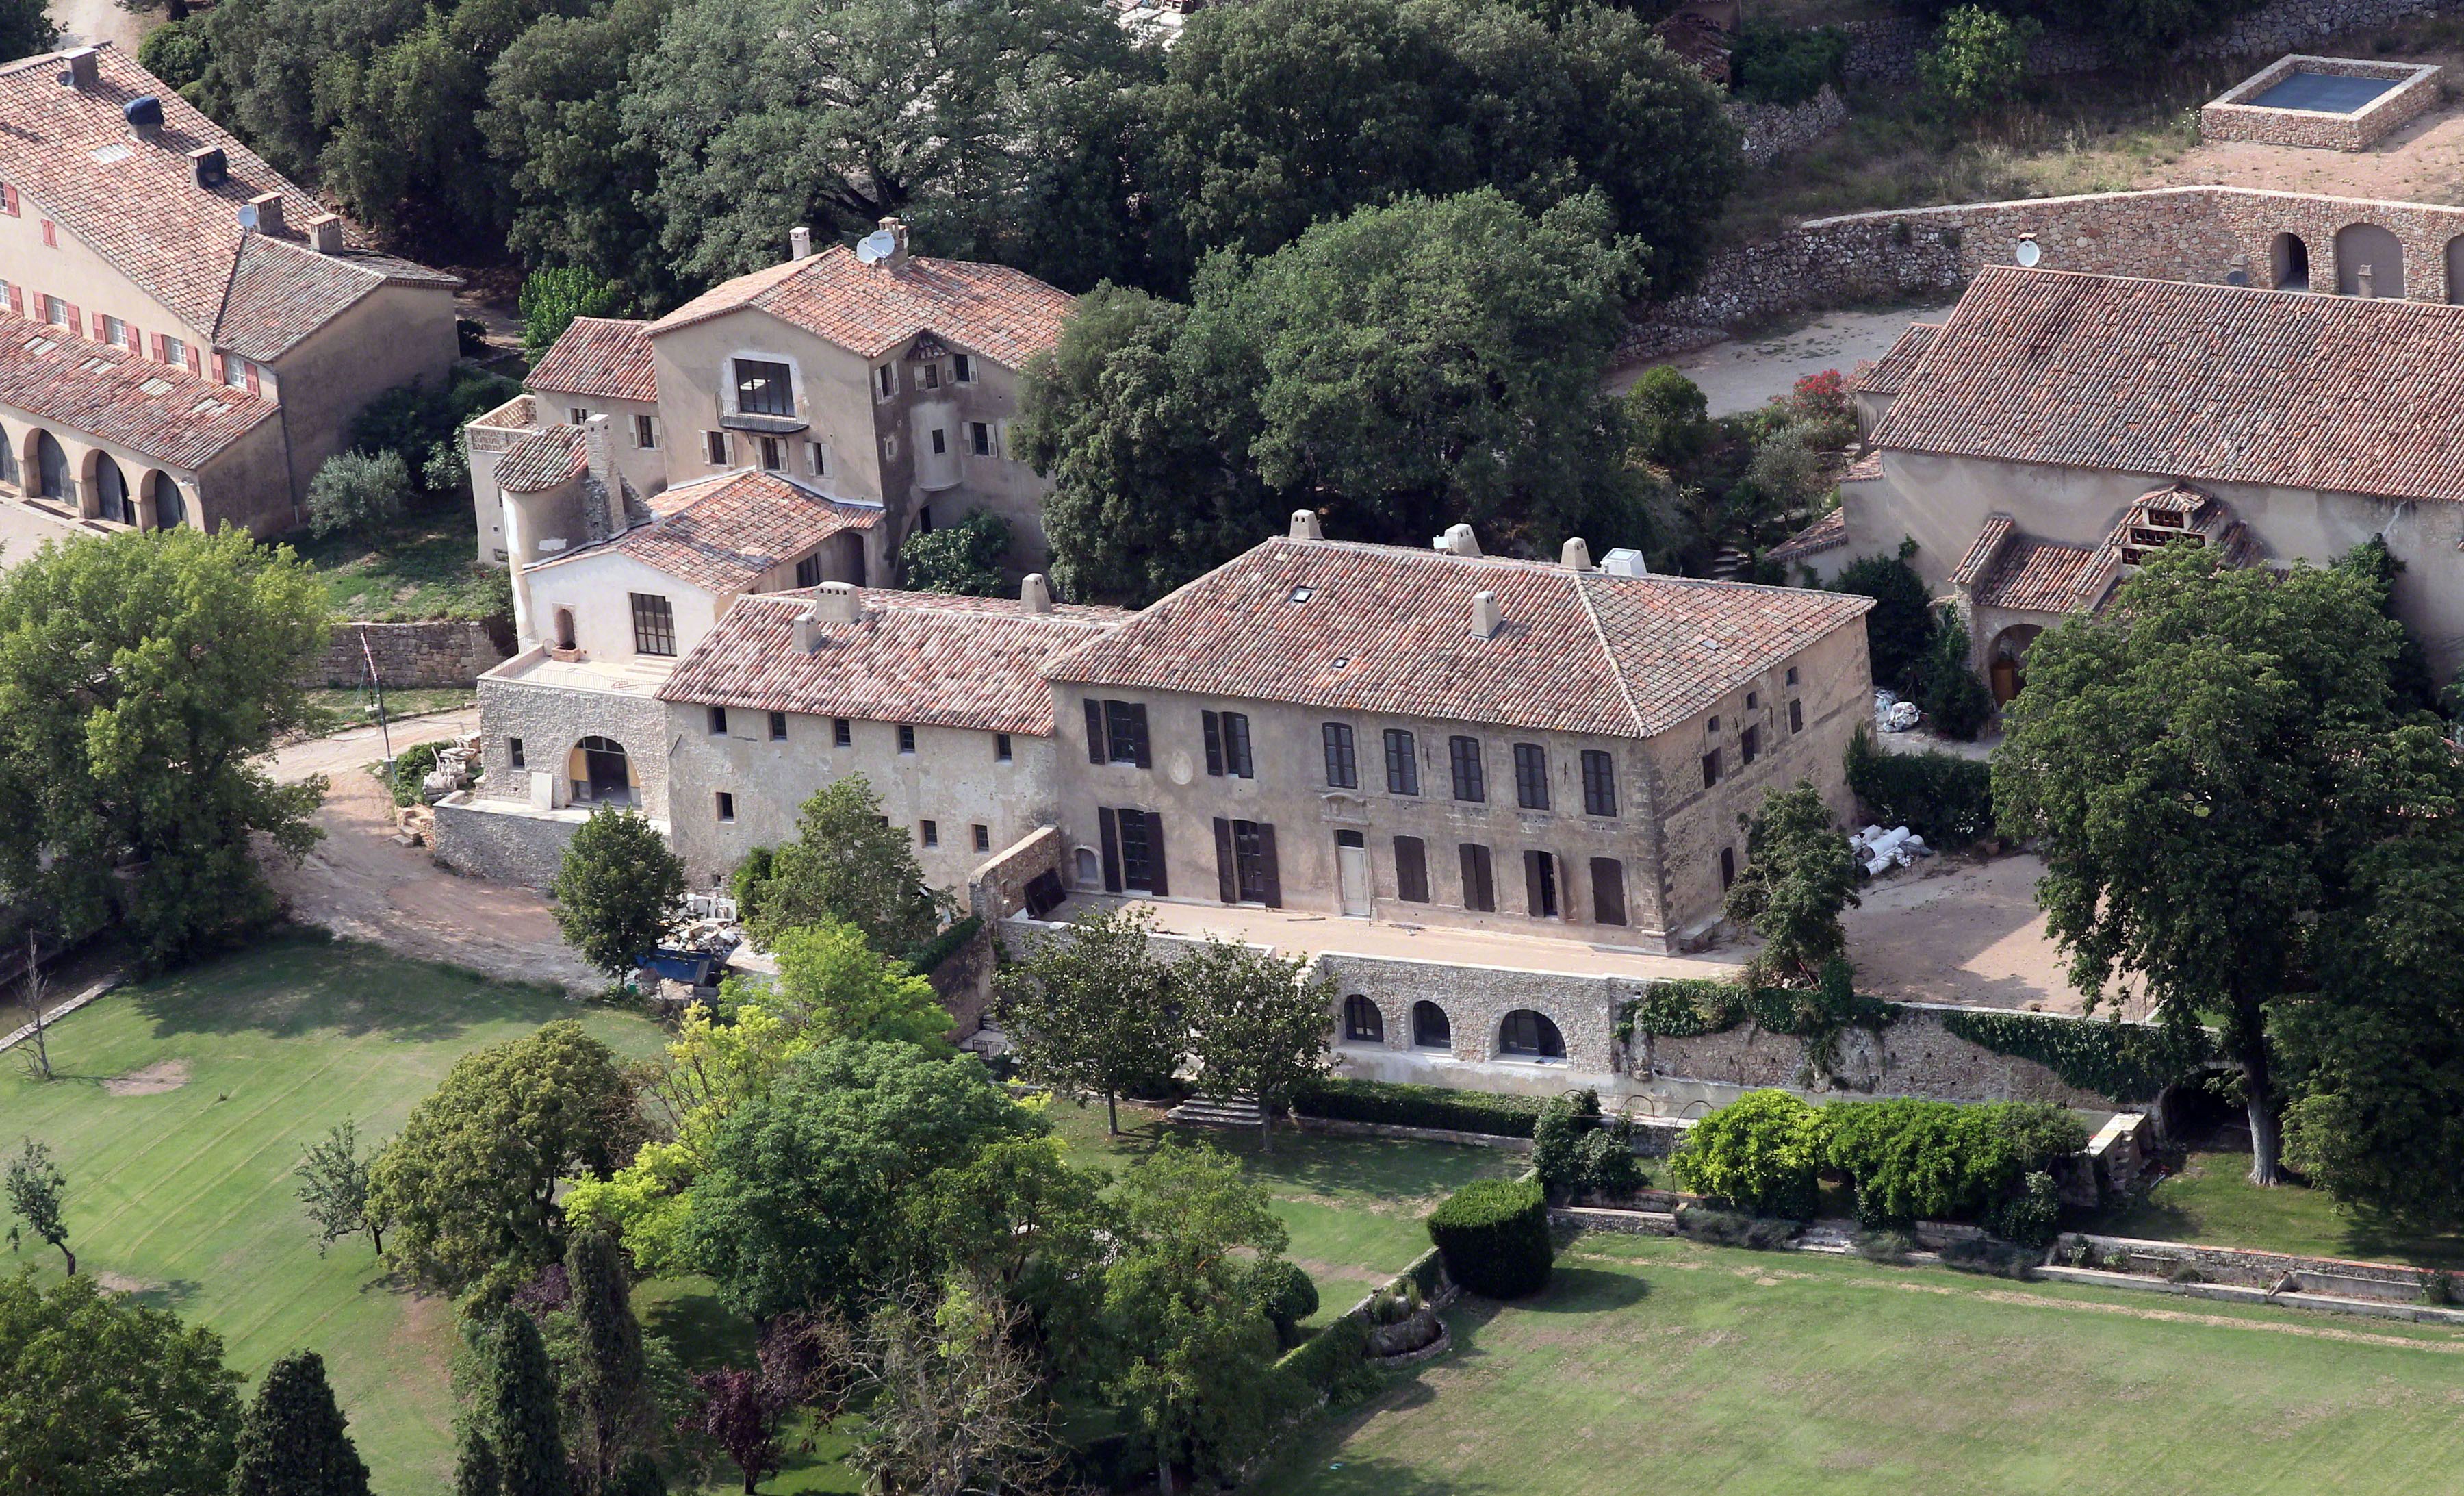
{"x":1352,"y":872}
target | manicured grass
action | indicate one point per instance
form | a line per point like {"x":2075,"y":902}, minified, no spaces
{"x":185,"y":1195}
{"x":425,"y":569}
{"x":342,"y":708}
{"x":1652,"y":1364}
{"x":1354,"y":1206}
{"x":2211,"y":1200}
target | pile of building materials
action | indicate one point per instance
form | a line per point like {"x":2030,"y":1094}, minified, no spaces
{"x":458,"y":768}
{"x":1880,"y":851}
{"x":1893,"y":715}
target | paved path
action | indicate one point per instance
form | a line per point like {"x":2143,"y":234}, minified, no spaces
{"x":1743,"y":374}
{"x":85,"y":22}
{"x":361,"y":883}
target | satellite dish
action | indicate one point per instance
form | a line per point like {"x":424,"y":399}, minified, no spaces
{"x":877,"y":246}
{"x":2028,"y":254}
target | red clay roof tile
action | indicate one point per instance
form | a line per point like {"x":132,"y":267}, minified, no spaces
{"x":1003,"y":314}
{"x":113,"y":396}
{"x":605,"y":356}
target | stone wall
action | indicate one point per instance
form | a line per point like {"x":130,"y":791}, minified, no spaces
{"x":442,"y":653}
{"x":1770,"y":131}
{"x":1915,"y":1056}
{"x":508,"y":844}
{"x":2249,"y":1268}
{"x":2233,"y":116}
{"x":2199,"y":233}
{"x":963,"y":981}
{"x":1886,"y":51}
{"x":997,"y":889}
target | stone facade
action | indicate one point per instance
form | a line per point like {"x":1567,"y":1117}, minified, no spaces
{"x":2202,"y":234}
{"x":435,"y":653}
{"x":1768,"y":132}
{"x":997,"y":888}
{"x":496,"y":839}
{"x":2235,"y":116}
{"x":515,"y":825}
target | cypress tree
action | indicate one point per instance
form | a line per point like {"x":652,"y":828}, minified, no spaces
{"x":474,"y":1470}
{"x":530,"y":1453}
{"x":293,"y":1440}
{"x":611,"y":1372}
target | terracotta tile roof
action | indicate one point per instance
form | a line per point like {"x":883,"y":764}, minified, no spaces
{"x":2205,"y":382}
{"x":539,"y":461}
{"x":1824,"y":534}
{"x":1888,"y":374}
{"x":923,"y":657}
{"x":136,"y":203}
{"x":1003,"y":314}
{"x":2044,"y":577}
{"x":1984,"y":551}
{"x":1386,"y":629}
{"x":723,"y":533}
{"x":109,"y":393}
{"x":605,"y":356}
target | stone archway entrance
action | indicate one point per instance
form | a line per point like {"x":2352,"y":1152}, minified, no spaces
{"x":2006,"y":662}
{"x":2289,"y":262}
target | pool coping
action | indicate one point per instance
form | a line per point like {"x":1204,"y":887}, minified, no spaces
{"x":2230,"y":117}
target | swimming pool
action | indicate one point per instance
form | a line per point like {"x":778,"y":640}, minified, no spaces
{"x":2324,"y":93}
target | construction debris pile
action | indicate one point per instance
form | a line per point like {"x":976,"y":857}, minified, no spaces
{"x":1879,"y":851}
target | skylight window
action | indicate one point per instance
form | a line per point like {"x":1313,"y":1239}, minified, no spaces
{"x":156,"y":386}
{"x":1302,"y":594}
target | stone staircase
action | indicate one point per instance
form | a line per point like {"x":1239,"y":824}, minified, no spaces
{"x":1219,"y":1111}
{"x":1838,"y":1238}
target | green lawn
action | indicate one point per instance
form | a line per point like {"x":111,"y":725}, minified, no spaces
{"x":1652,"y":1364}
{"x":1354,"y":1206}
{"x":2212,"y":1201}
{"x":185,"y":1193}
{"x":423,"y":570}
{"x":340,"y":709}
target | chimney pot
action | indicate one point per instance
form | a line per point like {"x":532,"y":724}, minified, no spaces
{"x":78,"y":69}
{"x":799,"y":242}
{"x":809,"y":633}
{"x":144,"y":116}
{"x":1486,"y":616}
{"x":836,"y":602}
{"x":211,"y":166}
{"x":268,"y":212}
{"x":1035,"y":594}
{"x":325,"y":232}
{"x":1574,"y":554}
{"x":897,"y":231}
{"x":1306,"y":525}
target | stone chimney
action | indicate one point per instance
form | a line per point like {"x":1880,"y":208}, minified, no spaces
{"x":268,"y":212}
{"x":1035,"y":594}
{"x":600,"y":478}
{"x":836,"y":602}
{"x":809,"y":633}
{"x":324,"y":234}
{"x":210,"y":166}
{"x":2365,"y":281}
{"x":78,"y":69}
{"x":799,"y":242}
{"x":144,"y":116}
{"x":897,"y":231}
{"x":1306,"y":525}
{"x":1574,"y":555}
{"x":1485,"y":618}
{"x":1457,"y":541}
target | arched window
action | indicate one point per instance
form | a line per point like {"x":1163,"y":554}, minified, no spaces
{"x":50,"y":467}
{"x":564,"y":627}
{"x":2367,"y":245}
{"x":1430,"y":1029}
{"x":1362,"y":1022}
{"x":1527,"y":1035}
{"x":170,"y":510}
{"x":599,"y":773}
{"x":110,"y":490}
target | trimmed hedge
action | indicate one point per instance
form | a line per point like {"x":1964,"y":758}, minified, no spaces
{"x":2126,"y":1061}
{"x":1942,"y":798}
{"x":1494,"y":1234}
{"x":1420,"y":1107}
{"x":928,"y":957}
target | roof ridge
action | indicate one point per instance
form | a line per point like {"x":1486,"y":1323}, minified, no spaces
{"x":1608,"y":652}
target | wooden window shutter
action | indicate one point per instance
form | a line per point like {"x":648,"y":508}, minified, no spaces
{"x":1274,"y":889}
{"x":8,"y":200}
{"x":1214,"y":726}
{"x":1111,"y":838}
{"x":1158,"y":880}
{"x":1227,"y":871}
{"x":222,"y":370}
{"x":160,"y":355}
{"x":16,"y":300}
{"x":1532,"y":883}
{"x":251,"y":378}
{"x":1608,"y":890}
{"x":1095,"y":734}
{"x":76,"y":322}
{"x":196,"y":361}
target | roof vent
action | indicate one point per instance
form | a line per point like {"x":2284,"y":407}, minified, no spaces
{"x":1035,"y":594}
{"x":262,"y":213}
{"x":799,"y":242}
{"x":1574,"y":555}
{"x":1625,"y":562}
{"x":1485,"y":618}
{"x":325,"y":234}
{"x":211,"y":166}
{"x":1306,"y":525}
{"x":78,"y":69}
{"x":144,"y":116}
{"x":1457,"y":541}
{"x":836,"y":602}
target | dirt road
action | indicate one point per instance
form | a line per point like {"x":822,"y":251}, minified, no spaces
{"x":361,"y":883}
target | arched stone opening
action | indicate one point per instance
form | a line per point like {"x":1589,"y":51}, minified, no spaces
{"x":170,"y":510}
{"x":1526,"y":1035}
{"x":2455,"y":270}
{"x":2370,"y":261}
{"x":600,"y":772}
{"x":8,"y":470}
{"x":1089,"y":869}
{"x":1430,"y":1028}
{"x":110,"y":489}
{"x":564,"y":627}
{"x":1362,"y":1022}
{"x":51,"y":464}
{"x":2288,"y":261}
{"x":2006,"y":662}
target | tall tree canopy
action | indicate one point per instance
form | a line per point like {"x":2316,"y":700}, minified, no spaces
{"x":2204,"y":768}
{"x":294,"y":1439}
{"x":849,"y":862}
{"x":140,"y":676}
{"x":1091,"y":1014}
{"x":104,"y":1395}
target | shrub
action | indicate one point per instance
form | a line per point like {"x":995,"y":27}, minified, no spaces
{"x":1287,"y":1296}
{"x":1979,"y":58}
{"x":1762,"y":1153}
{"x":1564,"y":1121}
{"x":964,"y":558}
{"x":176,"y":52}
{"x":1395,"y":1302}
{"x":363,"y":492}
{"x":2031,"y":1216}
{"x":550,"y":300}
{"x":1604,"y":1162}
{"x":1494,"y":1236}
{"x":425,"y":426}
{"x":1731,"y":1228}
{"x":1942,"y":798}
{"x":1419,"y":1106}
{"x":1818,"y":404}
{"x":1915,"y":1160}
{"x":2439,"y":1288}
{"x":1883,"y":1247}
{"x":410,"y":768}
{"x":744,"y":884}
{"x":1952,"y":699}
{"x":1778,"y":66}
{"x":1900,"y":624}
{"x":1332,"y":1364}
{"x":1984,"y":1255}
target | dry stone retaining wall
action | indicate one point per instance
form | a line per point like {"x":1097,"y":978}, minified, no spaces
{"x":442,"y":653}
{"x":1770,"y":131}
